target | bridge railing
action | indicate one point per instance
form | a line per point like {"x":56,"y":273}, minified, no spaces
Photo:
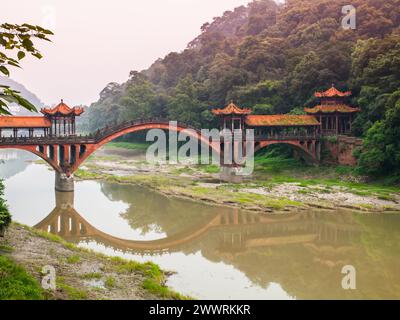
{"x":46,"y":140}
{"x":283,"y":137}
{"x":111,"y":129}
{"x":103,"y":133}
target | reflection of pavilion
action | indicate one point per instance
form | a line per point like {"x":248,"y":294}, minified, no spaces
{"x":235,"y":231}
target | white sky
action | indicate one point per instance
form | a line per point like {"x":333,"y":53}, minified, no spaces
{"x":97,"y":42}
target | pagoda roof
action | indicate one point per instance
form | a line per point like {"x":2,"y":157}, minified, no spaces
{"x":63,"y":110}
{"x":332,"y":108}
{"x":231,"y":109}
{"x":332,"y":92}
{"x":24,"y":122}
{"x":281,"y":120}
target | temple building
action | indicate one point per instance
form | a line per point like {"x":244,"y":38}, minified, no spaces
{"x":332,"y":111}
{"x":233,"y":118}
{"x":331,"y":116}
{"x":57,"y":121}
{"x":62,"y":119}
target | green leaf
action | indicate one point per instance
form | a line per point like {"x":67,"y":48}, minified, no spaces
{"x":4,"y":70}
{"x":21,"y":55}
{"x":37,"y":55}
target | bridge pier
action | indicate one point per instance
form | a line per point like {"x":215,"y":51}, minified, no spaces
{"x":63,"y":183}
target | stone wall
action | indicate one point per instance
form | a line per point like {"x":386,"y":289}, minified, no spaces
{"x":340,"y":151}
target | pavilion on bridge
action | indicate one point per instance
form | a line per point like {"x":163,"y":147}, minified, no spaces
{"x":235,"y":118}
{"x":57,"y":121}
{"x":332,"y":116}
{"x":333,"y":113}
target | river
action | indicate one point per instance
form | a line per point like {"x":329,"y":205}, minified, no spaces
{"x":214,"y":252}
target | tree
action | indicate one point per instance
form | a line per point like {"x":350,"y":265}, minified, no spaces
{"x":381,"y":151}
{"x":16,"y":41}
{"x":184,"y":105}
{"x":5,"y":217}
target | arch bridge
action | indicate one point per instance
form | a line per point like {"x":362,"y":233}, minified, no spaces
{"x":65,"y":151}
{"x":65,"y":154}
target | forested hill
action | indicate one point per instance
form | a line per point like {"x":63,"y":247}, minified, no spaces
{"x":272,"y":58}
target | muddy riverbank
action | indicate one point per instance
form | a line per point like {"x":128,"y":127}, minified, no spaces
{"x":82,"y":274}
{"x":258,"y":193}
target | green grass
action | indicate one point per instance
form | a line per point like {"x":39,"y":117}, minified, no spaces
{"x":16,"y":283}
{"x":73,"y":259}
{"x":128,"y":145}
{"x":154,"y":277}
{"x":91,"y":275}
{"x":209,"y":168}
{"x":72,"y":293}
{"x":272,"y":169}
{"x":86,"y":174}
{"x":51,"y":237}
{"x":6,"y":248}
{"x":110,"y":282}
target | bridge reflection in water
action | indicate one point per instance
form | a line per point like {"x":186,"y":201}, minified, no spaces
{"x":238,"y":230}
{"x":302,"y":251}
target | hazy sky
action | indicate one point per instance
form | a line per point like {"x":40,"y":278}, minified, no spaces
{"x":97,"y":42}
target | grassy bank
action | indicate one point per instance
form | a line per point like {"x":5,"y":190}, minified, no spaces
{"x":16,"y":283}
{"x":128,"y":145}
{"x":273,"y":171}
{"x":81,"y":274}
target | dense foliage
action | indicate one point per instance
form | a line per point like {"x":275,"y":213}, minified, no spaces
{"x":272,"y":58}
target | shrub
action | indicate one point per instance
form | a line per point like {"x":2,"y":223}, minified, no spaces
{"x":5,"y":217}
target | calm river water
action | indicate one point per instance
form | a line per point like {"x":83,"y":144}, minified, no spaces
{"x":217,"y":253}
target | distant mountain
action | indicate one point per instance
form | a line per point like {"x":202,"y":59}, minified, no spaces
{"x":31,"y":97}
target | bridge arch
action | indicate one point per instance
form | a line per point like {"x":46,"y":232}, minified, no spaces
{"x":112,"y":134}
{"x":34,"y":150}
{"x":308,"y":150}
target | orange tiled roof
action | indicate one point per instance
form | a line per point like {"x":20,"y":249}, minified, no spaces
{"x":332,"y":92}
{"x":24,"y":122}
{"x":281,"y":120}
{"x":331,"y":109}
{"x":231,"y":109}
{"x":63,"y":110}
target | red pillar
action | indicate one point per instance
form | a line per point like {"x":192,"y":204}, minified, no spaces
{"x":66,"y":153}
{"x":56,"y":150}
{"x":45,"y":150}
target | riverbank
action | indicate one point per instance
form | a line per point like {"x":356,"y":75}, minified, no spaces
{"x":277,"y":185}
{"x":80,"y":274}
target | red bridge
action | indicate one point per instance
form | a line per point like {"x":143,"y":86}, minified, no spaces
{"x":65,"y":151}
